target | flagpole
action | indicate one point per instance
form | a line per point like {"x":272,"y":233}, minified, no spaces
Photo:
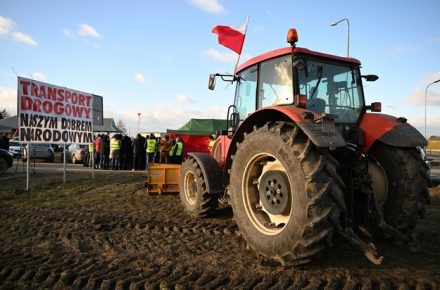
{"x":245,"y":31}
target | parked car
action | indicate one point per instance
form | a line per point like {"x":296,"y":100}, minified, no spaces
{"x":39,"y":151}
{"x":75,"y":153}
{"x":426,"y":159}
{"x":15,"y":148}
{"x":5,"y":160}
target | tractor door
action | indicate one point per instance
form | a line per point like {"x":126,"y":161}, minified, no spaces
{"x":245,"y":93}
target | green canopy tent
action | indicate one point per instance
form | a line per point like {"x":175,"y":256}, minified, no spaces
{"x":195,"y":134}
{"x":201,"y":127}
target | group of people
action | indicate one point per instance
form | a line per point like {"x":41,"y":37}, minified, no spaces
{"x":124,"y":153}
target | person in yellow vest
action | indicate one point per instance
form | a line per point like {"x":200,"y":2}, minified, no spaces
{"x":213,"y":137}
{"x":115,"y":146}
{"x":151,"y":147}
{"x":177,"y":151}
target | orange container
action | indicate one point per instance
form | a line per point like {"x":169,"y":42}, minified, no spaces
{"x":163,"y":178}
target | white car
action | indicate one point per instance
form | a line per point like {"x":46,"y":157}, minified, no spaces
{"x":15,"y":148}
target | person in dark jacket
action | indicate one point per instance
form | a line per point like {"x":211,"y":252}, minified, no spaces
{"x":143,"y":154}
{"x":4,"y":142}
{"x":138,"y":150}
{"x":105,"y":151}
{"x":124,"y":153}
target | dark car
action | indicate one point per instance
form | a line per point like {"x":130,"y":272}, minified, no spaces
{"x":426,"y":159}
{"x":5,"y":160}
{"x":39,"y":151}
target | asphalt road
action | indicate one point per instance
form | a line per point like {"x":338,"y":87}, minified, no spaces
{"x":19,"y":169}
{"x":38,"y":166}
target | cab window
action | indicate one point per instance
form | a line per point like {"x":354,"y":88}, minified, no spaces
{"x":275,"y":82}
{"x":246,"y":91}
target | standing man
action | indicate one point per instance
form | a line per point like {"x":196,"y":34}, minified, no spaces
{"x":105,"y":151}
{"x":89,"y":151}
{"x":97,"y":144}
{"x":178,"y":151}
{"x":4,"y":142}
{"x":151,"y":147}
{"x":143,"y":164}
{"x":138,"y":149}
{"x":212,"y":138}
{"x":164,"y":149}
{"x":115,"y":146}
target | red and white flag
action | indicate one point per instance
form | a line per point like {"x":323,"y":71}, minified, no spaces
{"x":231,"y":37}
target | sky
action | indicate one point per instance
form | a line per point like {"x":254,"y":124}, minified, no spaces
{"x":154,"y":57}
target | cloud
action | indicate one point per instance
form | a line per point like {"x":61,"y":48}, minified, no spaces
{"x":217,"y":55}
{"x":432,"y":94}
{"x":6,"y":28}
{"x":431,"y":78}
{"x":225,"y":56}
{"x":87,"y":30}
{"x":139,"y":78}
{"x":24,"y":38}
{"x":8,"y":97}
{"x":39,"y":76}
{"x":211,"y":6}
{"x":160,"y":117}
{"x":68,"y":33}
{"x":182,"y":99}
{"x":6,"y":25}
{"x":399,"y":50}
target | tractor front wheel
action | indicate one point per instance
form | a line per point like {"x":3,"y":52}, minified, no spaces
{"x":195,"y":199}
{"x":285,"y":193}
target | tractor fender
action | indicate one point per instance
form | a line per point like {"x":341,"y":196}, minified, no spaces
{"x":389,"y":130}
{"x":284,"y":113}
{"x":211,"y":171}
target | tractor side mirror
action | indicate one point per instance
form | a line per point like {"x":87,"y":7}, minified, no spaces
{"x":370,"y":78}
{"x":375,"y":107}
{"x":211,"y":83}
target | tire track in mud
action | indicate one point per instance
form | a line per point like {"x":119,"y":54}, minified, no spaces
{"x":148,"y":243}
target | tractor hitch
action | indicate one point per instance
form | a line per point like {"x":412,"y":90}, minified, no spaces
{"x":369,"y":250}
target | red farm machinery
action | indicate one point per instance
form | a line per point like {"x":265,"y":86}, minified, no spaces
{"x":304,"y":158}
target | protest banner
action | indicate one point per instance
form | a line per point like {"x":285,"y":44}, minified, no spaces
{"x":53,"y":114}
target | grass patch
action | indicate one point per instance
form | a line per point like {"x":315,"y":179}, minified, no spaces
{"x":433,"y":145}
{"x":48,"y":190}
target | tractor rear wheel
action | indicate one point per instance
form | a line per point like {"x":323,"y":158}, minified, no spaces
{"x":285,"y":193}
{"x":195,"y":199}
{"x":407,"y":178}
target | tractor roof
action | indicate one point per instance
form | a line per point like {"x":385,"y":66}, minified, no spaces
{"x":288,"y":50}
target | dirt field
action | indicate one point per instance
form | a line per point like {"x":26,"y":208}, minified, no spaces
{"x":109,"y":234}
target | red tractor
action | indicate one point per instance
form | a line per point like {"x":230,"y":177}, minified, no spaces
{"x":303,"y":159}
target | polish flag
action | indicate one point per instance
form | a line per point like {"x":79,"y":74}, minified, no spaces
{"x":231,"y":37}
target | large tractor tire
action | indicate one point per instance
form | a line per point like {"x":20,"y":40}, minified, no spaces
{"x":195,"y":199}
{"x":285,"y":194}
{"x":407,"y":178}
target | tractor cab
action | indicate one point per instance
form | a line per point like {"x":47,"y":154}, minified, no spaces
{"x":320,"y":83}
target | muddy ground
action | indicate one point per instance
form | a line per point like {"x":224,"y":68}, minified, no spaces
{"x":109,"y":234}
